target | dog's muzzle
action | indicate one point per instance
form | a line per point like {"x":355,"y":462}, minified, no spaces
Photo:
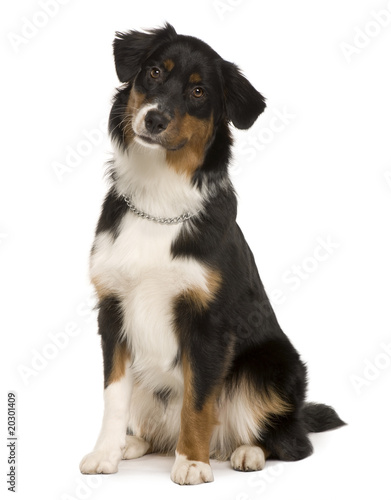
{"x":156,"y":122}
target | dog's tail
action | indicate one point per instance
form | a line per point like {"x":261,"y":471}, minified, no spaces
{"x":320,"y":417}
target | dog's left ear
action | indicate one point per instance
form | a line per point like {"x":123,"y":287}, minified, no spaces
{"x":132,"y":47}
{"x":243,"y":102}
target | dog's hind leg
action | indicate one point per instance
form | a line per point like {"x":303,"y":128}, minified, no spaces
{"x":135,"y":447}
{"x":288,"y":440}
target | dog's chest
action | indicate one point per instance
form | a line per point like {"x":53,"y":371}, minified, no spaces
{"x":137,"y":267}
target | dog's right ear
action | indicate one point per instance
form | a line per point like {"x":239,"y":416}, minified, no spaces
{"x":132,"y":47}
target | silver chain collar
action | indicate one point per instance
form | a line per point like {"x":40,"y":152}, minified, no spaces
{"x":160,"y":220}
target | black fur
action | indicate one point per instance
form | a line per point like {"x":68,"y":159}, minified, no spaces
{"x":110,"y":324}
{"x":112,"y":212}
{"x":320,"y":417}
{"x":131,"y":48}
{"x":244,"y":106}
{"x":240,"y":319}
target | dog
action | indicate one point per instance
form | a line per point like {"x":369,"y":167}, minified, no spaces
{"x":195,"y":361}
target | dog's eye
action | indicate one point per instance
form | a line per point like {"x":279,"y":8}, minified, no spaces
{"x":155,"y":73}
{"x":198,"y":92}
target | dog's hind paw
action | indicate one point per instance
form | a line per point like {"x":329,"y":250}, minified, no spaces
{"x":135,"y":447}
{"x":248,"y":458}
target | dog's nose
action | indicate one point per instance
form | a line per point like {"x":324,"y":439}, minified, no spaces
{"x":155,"y":121}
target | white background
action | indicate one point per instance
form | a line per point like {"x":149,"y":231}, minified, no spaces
{"x":325,"y":174}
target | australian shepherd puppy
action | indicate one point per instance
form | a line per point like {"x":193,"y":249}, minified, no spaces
{"x":195,"y":361}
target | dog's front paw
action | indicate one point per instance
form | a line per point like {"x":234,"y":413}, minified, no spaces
{"x":248,"y":458}
{"x":100,"y":462}
{"x":190,"y":471}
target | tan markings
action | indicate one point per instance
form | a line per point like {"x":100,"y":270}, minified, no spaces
{"x":196,"y":134}
{"x":195,"y":78}
{"x":213,"y":280}
{"x":121,"y":356}
{"x":264,"y":404}
{"x":196,"y":425}
{"x":169,"y":64}
{"x":243,"y":413}
{"x":199,"y":297}
{"x":101,"y":290}
{"x":273,"y":404}
{"x":135,"y":102}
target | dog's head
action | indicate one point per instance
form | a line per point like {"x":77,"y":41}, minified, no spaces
{"x":178,"y":91}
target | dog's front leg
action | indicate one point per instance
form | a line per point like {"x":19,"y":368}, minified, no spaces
{"x":105,"y":457}
{"x":197,"y":421}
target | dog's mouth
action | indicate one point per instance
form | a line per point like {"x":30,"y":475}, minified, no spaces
{"x":150,"y":141}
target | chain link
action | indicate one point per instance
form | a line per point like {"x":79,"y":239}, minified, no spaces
{"x":160,"y":220}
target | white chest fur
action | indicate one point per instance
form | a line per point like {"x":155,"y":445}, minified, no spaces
{"x":137,"y":267}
